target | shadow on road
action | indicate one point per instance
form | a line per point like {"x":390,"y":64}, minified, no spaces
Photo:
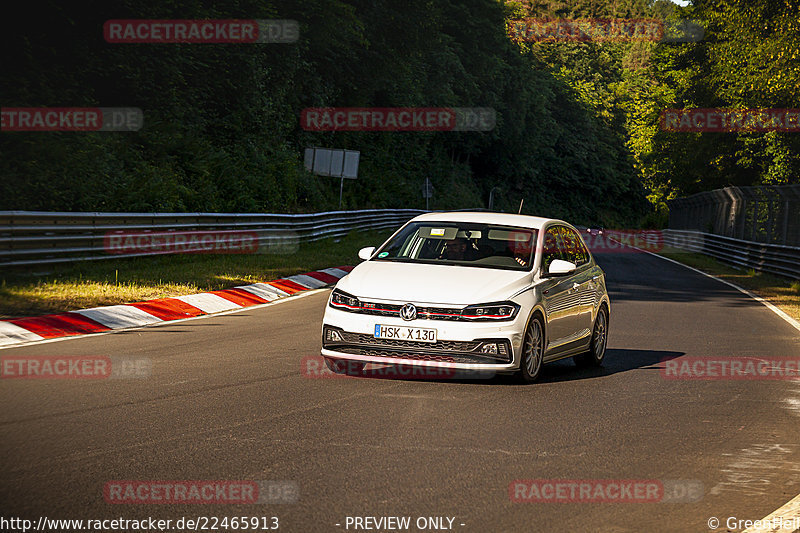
{"x":616,"y":360}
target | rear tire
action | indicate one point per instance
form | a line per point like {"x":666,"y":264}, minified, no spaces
{"x":531,"y":360}
{"x":597,"y":346}
{"x":344,"y":366}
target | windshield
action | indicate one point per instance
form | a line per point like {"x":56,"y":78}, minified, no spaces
{"x":461,"y":243}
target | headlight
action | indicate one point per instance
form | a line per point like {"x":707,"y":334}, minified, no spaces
{"x":346,"y":302}
{"x":492,"y":311}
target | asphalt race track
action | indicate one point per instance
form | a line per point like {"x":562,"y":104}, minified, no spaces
{"x":227,"y":400}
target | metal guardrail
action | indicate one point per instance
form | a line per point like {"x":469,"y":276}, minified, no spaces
{"x":36,"y":238}
{"x":772,"y":258}
{"x":762,"y":213}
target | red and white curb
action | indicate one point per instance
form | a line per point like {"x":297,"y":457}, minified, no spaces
{"x":104,"y":319}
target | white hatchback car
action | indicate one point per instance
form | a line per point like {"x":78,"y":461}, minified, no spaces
{"x":471,"y":291}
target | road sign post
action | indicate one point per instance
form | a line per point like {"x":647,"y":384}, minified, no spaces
{"x":427,"y":192}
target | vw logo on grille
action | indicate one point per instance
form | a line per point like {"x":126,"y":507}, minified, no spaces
{"x":408,"y":312}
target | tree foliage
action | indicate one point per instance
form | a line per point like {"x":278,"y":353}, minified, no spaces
{"x":577,"y":123}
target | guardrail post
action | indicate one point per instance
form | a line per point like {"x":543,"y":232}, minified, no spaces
{"x":785,"y":231}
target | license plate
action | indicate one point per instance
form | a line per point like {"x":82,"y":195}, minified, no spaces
{"x":403,"y":333}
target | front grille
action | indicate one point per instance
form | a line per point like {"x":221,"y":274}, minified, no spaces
{"x":439,"y":313}
{"x":404,"y":355}
{"x":370,"y":308}
{"x":474,"y":358}
{"x":425,"y":313}
{"x":457,"y":346}
{"x":441,"y":350}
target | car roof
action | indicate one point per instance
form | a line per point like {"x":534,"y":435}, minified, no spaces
{"x":485,"y":217}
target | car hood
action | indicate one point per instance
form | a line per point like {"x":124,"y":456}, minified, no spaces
{"x":439,"y":284}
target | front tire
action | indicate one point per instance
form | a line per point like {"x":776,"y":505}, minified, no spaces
{"x":597,"y":347}
{"x":530,"y":365}
{"x":344,"y":366}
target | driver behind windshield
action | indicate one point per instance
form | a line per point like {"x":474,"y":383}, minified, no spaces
{"x":459,"y":249}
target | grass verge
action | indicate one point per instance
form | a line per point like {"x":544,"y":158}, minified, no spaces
{"x":781,"y":292}
{"x":111,"y":282}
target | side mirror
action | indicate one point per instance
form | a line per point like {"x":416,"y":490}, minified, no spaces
{"x":561,"y":268}
{"x":365,"y":253}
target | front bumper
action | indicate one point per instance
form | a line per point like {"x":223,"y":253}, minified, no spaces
{"x":459,"y":345}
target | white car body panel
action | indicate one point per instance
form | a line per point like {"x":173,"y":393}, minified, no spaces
{"x":439,"y":284}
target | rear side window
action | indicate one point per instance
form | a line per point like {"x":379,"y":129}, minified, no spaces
{"x":585,"y":255}
{"x":574,"y":247}
{"x":552,"y":247}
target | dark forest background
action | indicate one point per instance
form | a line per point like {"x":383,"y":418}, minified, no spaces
{"x":577,"y":133}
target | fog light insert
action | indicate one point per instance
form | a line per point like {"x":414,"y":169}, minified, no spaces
{"x":331,"y":335}
{"x":489,"y":347}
